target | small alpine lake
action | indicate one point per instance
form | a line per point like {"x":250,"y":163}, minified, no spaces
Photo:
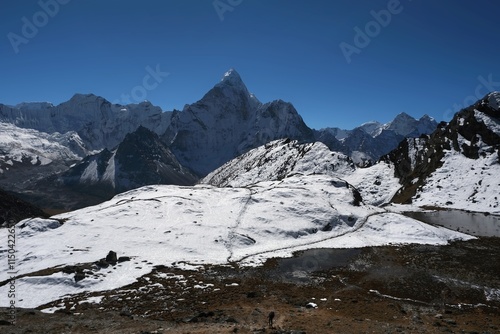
{"x":474,"y":223}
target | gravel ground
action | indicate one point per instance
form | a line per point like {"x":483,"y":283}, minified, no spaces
{"x":392,"y":289}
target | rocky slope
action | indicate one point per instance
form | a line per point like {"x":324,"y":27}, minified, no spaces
{"x":14,"y":209}
{"x":279,"y":159}
{"x":140,"y":159}
{"x":458,"y":164}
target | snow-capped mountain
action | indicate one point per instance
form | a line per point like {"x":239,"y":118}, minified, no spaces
{"x":140,"y":159}
{"x":41,"y":140}
{"x":99,"y":123}
{"x":38,"y":141}
{"x":28,"y":156}
{"x":457,"y":166}
{"x":229,"y":121}
{"x":18,"y":145}
{"x":277,"y":197}
{"x":371,"y":140}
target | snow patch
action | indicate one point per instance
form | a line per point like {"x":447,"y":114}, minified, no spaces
{"x":463,"y":183}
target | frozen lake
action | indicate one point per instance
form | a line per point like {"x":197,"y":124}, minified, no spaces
{"x":473,"y":223}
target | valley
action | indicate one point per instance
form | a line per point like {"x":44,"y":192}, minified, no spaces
{"x":204,"y":220}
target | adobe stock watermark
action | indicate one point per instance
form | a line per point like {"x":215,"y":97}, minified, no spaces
{"x":30,"y":27}
{"x":373,"y":28}
{"x":485,"y":86}
{"x":150,"y":81}
{"x":222,"y":6}
{"x":11,"y":270}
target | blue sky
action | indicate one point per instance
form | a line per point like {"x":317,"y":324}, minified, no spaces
{"x":419,"y":57}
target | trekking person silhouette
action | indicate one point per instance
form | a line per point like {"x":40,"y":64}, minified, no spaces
{"x":270,"y":317}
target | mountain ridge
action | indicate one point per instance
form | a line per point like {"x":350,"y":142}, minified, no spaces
{"x":226,"y":122}
{"x":471,"y":140}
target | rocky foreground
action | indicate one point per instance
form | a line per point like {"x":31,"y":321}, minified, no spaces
{"x":404,"y":289}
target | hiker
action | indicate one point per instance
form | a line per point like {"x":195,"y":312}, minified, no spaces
{"x":270,"y":318}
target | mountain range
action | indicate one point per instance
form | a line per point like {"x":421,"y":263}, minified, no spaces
{"x":83,"y":147}
{"x":228,"y":181}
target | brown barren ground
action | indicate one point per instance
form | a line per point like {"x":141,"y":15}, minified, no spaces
{"x":392,"y":289}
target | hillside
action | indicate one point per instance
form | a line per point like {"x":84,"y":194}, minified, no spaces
{"x":457,"y":165}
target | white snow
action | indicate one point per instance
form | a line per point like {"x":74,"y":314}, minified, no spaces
{"x":377,"y":184}
{"x":111,"y":170}
{"x":92,"y":300}
{"x":19,"y":144}
{"x":487,"y":120}
{"x":278,"y":159}
{"x":90,"y":173}
{"x":463,"y":183}
{"x":494,"y":100}
{"x":190,"y":226}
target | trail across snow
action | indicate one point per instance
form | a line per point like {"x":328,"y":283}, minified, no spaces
{"x":192,"y":226}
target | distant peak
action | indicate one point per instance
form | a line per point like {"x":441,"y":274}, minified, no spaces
{"x":33,"y":105}
{"x":427,"y":117}
{"x":83,"y":96}
{"x":231,"y":75}
{"x":494,"y":100}
{"x":78,"y":98}
{"x":232,"y":79}
{"x":403,"y":115}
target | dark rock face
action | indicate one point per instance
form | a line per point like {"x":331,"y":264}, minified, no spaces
{"x":143,"y":160}
{"x":417,"y":158}
{"x":13,"y":209}
{"x":140,"y":159}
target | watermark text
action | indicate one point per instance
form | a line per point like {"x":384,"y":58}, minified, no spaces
{"x":363,"y":37}
{"x":30,"y":27}
{"x":11,"y":270}
{"x":223,"y":6}
{"x":150,"y":81}
{"x":485,"y":86}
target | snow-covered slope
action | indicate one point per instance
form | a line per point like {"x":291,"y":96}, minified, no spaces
{"x":463,"y":183}
{"x":229,"y":121}
{"x":281,"y":158}
{"x":458,"y":165}
{"x":277,"y":160}
{"x":186,"y":226}
{"x":18,"y":146}
{"x":377,"y":184}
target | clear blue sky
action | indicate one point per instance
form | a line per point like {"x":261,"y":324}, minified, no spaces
{"x":427,"y":59}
